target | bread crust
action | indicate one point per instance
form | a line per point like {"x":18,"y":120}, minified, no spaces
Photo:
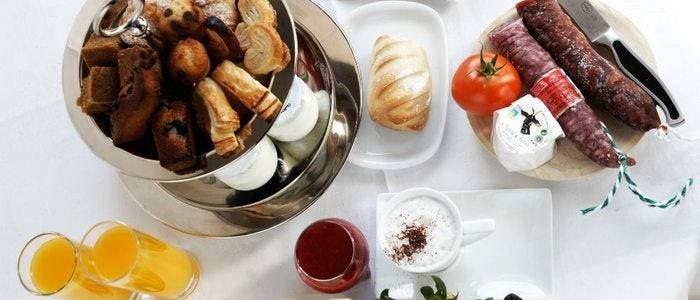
{"x":400,"y":85}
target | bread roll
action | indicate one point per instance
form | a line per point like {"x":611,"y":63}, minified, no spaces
{"x":238,"y":84}
{"x":216,"y":117}
{"x":400,"y":85}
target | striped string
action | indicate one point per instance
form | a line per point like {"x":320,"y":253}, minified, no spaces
{"x":632,"y":185}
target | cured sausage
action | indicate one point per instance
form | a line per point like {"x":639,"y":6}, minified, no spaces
{"x":600,"y":80}
{"x":549,"y":83}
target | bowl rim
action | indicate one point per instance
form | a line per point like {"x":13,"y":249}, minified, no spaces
{"x":141,"y":167}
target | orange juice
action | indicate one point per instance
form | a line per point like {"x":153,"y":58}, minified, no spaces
{"x":133,"y":260}
{"x":52,"y":265}
{"x":53,"y":271}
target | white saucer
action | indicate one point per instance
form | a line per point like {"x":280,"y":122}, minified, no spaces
{"x":517,"y":257}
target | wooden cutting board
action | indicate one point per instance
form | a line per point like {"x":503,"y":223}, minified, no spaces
{"x":569,"y":163}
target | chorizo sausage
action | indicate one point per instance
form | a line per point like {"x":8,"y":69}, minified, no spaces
{"x":598,"y":78}
{"x":549,"y":83}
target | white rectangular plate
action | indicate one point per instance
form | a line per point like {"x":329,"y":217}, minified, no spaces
{"x":375,"y":146}
{"x":519,"y":251}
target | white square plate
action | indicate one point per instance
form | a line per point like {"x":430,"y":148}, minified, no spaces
{"x":375,"y":146}
{"x":519,"y":251}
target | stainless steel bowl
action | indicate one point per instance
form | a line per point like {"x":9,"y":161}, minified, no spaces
{"x":209,"y":209}
{"x":134,"y":165}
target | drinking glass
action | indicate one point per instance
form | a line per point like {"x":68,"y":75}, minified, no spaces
{"x":331,"y":256}
{"x":47,"y":266}
{"x":121,"y":256}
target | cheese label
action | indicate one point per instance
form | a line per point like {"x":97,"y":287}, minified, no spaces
{"x":524,"y":134}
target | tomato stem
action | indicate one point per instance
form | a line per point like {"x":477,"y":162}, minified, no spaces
{"x":488,"y":69}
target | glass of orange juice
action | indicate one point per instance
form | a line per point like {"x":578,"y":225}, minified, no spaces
{"x":121,"y":256}
{"x":47,"y":266}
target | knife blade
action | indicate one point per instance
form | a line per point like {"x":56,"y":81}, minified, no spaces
{"x":598,"y":31}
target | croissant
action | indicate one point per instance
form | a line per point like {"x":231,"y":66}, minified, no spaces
{"x":400,"y":85}
{"x":254,"y":11}
{"x":216,"y":117}
{"x":238,"y":84}
{"x":266,"y":51}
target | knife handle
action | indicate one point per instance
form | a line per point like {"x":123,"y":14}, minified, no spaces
{"x":639,"y":72}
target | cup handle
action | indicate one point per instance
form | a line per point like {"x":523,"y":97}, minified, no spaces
{"x":473,"y":231}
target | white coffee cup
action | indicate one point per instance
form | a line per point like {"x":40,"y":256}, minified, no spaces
{"x":464,"y":232}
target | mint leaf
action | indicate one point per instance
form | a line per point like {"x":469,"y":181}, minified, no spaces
{"x":440,"y":286}
{"x":427,"y":292}
{"x":385,"y":295}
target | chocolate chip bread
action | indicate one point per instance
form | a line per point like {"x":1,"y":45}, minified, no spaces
{"x":99,"y":90}
{"x":101,"y":51}
{"x":139,"y":95}
{"x":174,"y":137}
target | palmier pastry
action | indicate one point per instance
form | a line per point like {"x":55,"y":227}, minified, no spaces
{"x":173,"y":135}
{"x":400,"y":85}
{"x":238,"y":84}
{"x":180,"y":19}
{"x":139,"y":95}
{"x":267,"y":52}
{"x":188,"y":62}
{"x":254,"y":11}
{"x":216,"y":117}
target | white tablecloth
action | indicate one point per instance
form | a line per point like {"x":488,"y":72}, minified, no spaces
{"x":51,"y":182}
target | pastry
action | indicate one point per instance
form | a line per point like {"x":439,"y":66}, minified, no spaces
{"x":101,"y":51}
{"x":257,"y":35}
{"x":188,"y":62}
{"x":174,"y":137}
{"x":238,"y":84}
{"x":136,"y":57}
{"x":99,"y":90}
{"x":254,"y":11}
{"x":220,"y":41}
{"x":400,"y":85}
{"x":224,"y":10}
{"x":220,"y":23}
{"x":216,"y":117}
{"x":139,"y":95}
{"x":179,"y":19}
{"x":266,"y":51}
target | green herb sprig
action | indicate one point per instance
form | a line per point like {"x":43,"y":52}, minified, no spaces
{"x":439,"y":292}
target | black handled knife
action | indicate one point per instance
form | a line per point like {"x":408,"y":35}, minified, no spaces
{"x":599,"y":32}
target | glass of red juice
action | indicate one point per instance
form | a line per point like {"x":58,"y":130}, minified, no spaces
{"x":331,"y":256}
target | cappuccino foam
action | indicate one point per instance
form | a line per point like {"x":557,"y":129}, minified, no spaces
{"x":419,"y":232}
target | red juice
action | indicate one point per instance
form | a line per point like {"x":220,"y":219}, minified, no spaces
{"x":331,"y":255}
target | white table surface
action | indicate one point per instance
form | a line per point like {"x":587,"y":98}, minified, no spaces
{"x":51,"y":182}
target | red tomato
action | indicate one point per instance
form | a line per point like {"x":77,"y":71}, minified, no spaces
{"x":485,"y":83}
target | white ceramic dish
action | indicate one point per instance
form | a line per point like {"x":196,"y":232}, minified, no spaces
{"x":375,"y":146}
{"x":518,"y":257}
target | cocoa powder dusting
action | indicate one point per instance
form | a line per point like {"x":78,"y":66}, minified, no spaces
{"x":416,"y":237}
